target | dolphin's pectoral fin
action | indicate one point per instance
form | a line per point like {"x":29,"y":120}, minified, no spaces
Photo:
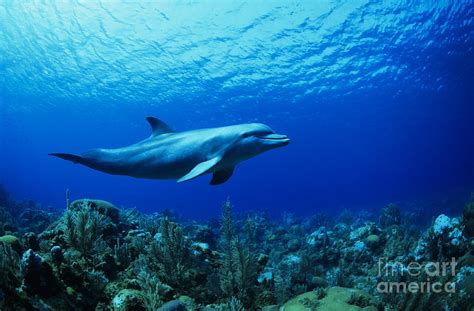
{"x":158,"y":127}
{"x":221,"y":176}
{"x":200,"y":169}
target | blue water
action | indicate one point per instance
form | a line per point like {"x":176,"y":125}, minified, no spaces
{"x":377,"y":97}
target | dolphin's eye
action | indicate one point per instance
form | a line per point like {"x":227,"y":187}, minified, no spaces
{"x":245,"y":135}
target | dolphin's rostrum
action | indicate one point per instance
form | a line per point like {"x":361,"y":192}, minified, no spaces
{"x":184,"y":155}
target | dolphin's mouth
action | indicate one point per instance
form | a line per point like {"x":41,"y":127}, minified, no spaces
{"x":276,"y":138}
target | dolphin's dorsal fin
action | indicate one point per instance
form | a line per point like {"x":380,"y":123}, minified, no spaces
{"x":158,"y":127}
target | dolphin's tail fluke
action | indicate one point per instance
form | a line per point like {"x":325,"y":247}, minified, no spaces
{"x":67,"y":156}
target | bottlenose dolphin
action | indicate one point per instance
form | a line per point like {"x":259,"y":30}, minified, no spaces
{"x":167,"y":154}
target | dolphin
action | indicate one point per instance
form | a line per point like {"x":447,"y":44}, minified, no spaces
{"x":183,"y":156}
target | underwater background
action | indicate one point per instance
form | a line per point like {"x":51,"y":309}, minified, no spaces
{"x":376,"y":97}
{"x":372,"y":196}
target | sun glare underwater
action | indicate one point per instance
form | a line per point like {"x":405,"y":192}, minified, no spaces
{"x":376,"y":98}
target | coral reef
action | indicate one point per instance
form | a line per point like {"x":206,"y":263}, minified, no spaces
{"x":95,"y":256}
{"x":390,"y":216}
{"x":335,"y":298}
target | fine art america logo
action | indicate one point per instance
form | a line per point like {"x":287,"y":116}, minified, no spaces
{"x":425,"y":278}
